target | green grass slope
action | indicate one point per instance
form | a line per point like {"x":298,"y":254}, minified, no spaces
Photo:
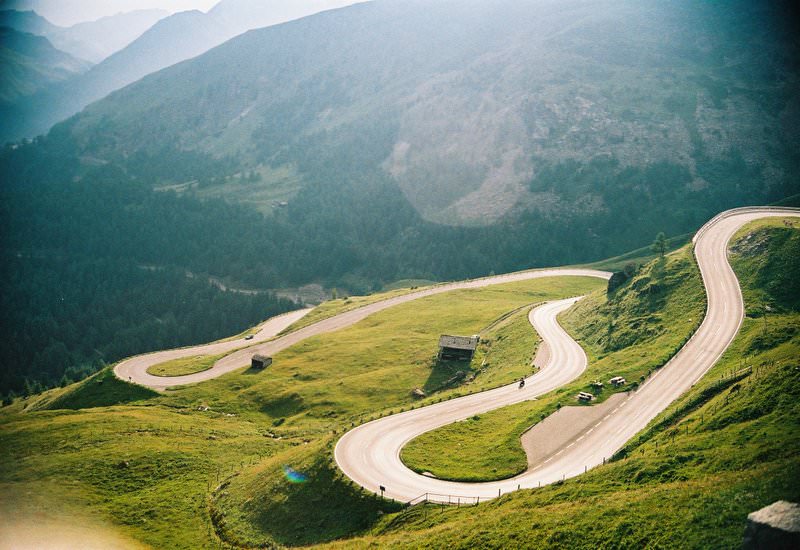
{"x":100,"y":390}
{"x":246,"y":459}
{"x":270,"y":504}
{"x":145,"y":470}
{"x":182,"y":469}
{"x":775,"y":286}
{"x":726,"y":448}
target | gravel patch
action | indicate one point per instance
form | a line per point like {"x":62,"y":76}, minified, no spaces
{"x":563,"y":427}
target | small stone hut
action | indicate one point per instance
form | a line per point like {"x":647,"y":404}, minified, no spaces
{"x":260,"y":361}
{"x":457,"y":348}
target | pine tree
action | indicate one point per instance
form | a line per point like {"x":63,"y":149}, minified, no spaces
{"x":659,"y":245}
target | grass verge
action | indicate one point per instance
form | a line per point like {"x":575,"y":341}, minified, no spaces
{"x":184,"y":365}
{"x":346,"y":303}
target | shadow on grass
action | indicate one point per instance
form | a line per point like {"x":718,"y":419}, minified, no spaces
{"x":100,"y":390}
{"x":322,"y":507}
{"x":282,"y":405}
{"x":447,"y":374}
{"x":251,"y":371}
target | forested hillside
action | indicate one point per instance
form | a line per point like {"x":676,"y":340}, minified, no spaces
{"x":96,"y":270}
{"x":394,"y":140}
{"x":129,"y":46}
{"x":29,"y":63}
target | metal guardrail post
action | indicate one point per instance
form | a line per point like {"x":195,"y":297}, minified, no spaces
{"x":740,"y":210}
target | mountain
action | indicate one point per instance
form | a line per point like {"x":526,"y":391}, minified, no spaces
{"x":91,"y":40}
{"x":26,"y":21}
{"x":66,"y":13}
{"x":482,"y":112}
{"x":172,"y":39}
{"x":96,"y":40}
{"x":400,"y":140}
{"x":29,"y":63}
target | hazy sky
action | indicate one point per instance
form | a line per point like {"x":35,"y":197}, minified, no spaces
{"x":69,"y":12}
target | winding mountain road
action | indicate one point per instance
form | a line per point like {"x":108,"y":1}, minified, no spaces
{"x":135,"y":368}
{"x":370,"y":454}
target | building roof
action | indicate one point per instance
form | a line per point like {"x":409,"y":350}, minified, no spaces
{"x":458,"y":342}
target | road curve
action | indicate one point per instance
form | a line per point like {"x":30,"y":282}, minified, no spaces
{"x":134,"y":369}
{"x":370,"y":454}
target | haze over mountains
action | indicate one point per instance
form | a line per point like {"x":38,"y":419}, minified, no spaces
{"x":65,"y":13}
{"x":391,"y":140}
{"x":92,"y":40}
{"x":35,"y":54}
{"x":478,"y":110}
{"x":29,"y":63}
{"x":170,"y":40}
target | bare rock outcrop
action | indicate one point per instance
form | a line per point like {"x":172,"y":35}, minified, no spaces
{"x":776,"y":526}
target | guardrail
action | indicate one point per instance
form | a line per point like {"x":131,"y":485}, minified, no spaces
{"x":453,"y":500}
{"x":741,"y":210}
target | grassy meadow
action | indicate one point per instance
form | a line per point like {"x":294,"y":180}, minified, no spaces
{"x":148,"y":462}
{"x":245,"y":460}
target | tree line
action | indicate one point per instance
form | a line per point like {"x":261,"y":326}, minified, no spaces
{"x":78,"y":238}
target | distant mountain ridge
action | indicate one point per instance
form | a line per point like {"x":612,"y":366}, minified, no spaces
{"x":26,"y":21}
{"x":29,"y":63}
{"x":485,"y":111}
{"x":96,"y":40}
{"x":172,"y":39}
{"x":92,"y":41}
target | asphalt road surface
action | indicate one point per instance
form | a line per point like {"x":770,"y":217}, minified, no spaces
{"x":134,"y":369}
{"x":370,"y":454}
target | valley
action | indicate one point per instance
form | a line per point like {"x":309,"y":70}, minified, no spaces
{"x":280,"y":162}
{"x":308,"y":413}
{"x":398,"y":273}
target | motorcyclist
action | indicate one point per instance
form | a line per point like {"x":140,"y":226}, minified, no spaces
{"x":521,"y":382}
